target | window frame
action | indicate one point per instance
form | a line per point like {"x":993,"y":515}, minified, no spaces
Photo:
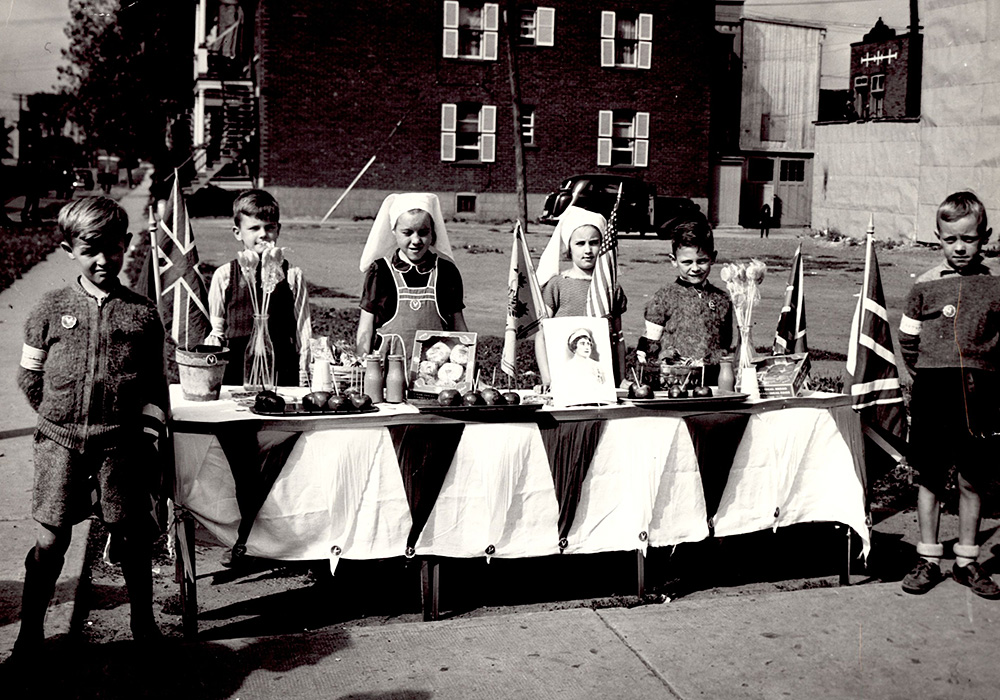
{"x":528,"y":127}
{"x":543,"y":26}
{"x":451,"y":132}
{"x":609,"y":143}
{"x":453,"y":30}
{"x":612,"y":42}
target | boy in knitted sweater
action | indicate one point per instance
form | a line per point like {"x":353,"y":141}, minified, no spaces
{"x":92,"y":367}
{"x":689,"y":317}
{"x":950,"y":342}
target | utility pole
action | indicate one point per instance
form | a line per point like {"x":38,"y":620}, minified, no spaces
{"x":512,"y":25}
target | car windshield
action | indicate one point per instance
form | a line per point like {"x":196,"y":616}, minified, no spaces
{"x":566,"y":184}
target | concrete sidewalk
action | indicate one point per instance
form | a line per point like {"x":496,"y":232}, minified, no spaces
{"x":17,"y":424}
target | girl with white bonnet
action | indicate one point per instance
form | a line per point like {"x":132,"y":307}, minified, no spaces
{"x":411,"y":281}
{"x":576,"y":239}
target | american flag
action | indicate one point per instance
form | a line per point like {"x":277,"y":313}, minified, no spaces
{"x":176,"y":285}
{"x":601,"y":296}
{"x":791,"y":334}
{"x":875,"y":390}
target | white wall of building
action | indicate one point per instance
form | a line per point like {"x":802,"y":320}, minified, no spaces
{"x":901,"y":171}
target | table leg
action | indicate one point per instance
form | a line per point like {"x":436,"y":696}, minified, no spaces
{"x":845,"y":571}
{"x":640,"y":570}
{"x":185,"y":572}
{"x":430,"y":588}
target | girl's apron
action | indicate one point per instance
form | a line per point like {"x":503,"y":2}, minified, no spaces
{"x":416,"y":310}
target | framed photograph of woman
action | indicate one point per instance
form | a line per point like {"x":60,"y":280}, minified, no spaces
{"x":578,"y":350}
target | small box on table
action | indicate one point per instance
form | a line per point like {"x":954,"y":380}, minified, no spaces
{"x":782,"y":376}
{"x":443,"y":360}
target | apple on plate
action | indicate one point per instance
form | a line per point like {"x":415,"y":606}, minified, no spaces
{"x":339,"y":403}
{"x":472,"y":398}
{"x":675,"y":392}
{"x":640,"y":391}
{"x":269,"y":401}
{"x":492,"y":397}
{"x":512,"y":398}
{"x":450,"y":397}
{"x":702,"y":391}
{"x":362,"y":402}
{"x":316,"y":400}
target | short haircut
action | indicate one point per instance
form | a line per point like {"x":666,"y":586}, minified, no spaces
{"x":91,"y":218}
{"x":692,"y":231}
{"x":960,"y":205}
{"x":256,"y":203}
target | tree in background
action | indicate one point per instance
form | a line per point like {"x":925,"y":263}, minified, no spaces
{"x":128,"y":74}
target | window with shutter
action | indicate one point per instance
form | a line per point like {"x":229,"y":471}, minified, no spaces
{"x":448,"y":136}
{"x":623,"y":138}
{"x":468,"y":132}
{"x":626,"y":40}
{"x":471,"y":30}
{"x":528,"y":125}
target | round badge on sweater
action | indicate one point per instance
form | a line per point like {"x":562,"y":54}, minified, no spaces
{"x":949,"y":311}
{"x":68,"y":321}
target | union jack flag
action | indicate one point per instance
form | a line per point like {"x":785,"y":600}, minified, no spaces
{"x":791,"y":334}
{"x":176,"y":285}
{"x":601,"y":296}
{"x":875,"y":390}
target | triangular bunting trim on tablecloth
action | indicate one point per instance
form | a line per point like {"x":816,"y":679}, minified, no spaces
{"x":716,"y":437}
{"x":425,"y":454}
{"x":570,"y":447}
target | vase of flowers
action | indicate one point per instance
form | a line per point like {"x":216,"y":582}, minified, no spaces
{"x":258,"y":362}
{"x":743,"y":281}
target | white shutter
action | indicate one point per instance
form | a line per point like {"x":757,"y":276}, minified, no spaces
{"x":490,"y":41}
{"x":607,"y":25}
{"x":491,"y":16}
{"x":641,"y":154}
{"x":449,"y":45}
{"x":604,"y":151}
{"x":545,"y":26}
{"x":607,"y":53}
{"x":645,"y":27}
{"x":605,"y":117}
{"x":488,"y":119}
{"x":487,"y":148}
{"x":642,"y":125}
{"x":451,"y":14}
{"x":449,"y":115}
{"x":645,"y":54}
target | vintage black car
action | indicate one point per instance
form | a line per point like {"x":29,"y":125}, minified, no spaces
{"x":641,"y":209}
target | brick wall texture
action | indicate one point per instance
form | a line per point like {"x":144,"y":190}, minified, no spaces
{"x":896,"y":71}
{"x":335,"y":77}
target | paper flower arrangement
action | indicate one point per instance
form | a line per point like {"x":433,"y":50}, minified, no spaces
{"x":743,"y":281}
{"x":259,"y":369}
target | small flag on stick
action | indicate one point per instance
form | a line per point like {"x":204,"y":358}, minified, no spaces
{"x":871,"y":361}
{"x":525,"y":307}
{"x":791,"y":334}
{"x":604,"y":283}
{"x":175,"y":283}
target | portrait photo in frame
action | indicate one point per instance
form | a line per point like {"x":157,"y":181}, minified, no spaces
{"x":578,"y":351}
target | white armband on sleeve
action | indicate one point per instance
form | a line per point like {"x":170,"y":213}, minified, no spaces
{"x":653,"y":331}
{"x":910,"y":326}
{"x":33,"y":358}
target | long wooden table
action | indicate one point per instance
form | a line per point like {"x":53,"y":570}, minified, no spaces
{"x":597,"y":479}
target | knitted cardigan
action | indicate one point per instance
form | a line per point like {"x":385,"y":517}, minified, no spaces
{"x":93,"y":368}
{"x":952,"y":320}
{"x":697,"y":321}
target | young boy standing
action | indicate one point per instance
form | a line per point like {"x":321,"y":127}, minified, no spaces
{"x":690,"y":317}
{"x":256,"y":225}
{"x":950,"y":342}
{"x":92,"y":367}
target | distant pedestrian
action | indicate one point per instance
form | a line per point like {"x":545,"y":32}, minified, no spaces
{"x":765,"y":220}
{"x":92,"y":367}
{"x":950,"y":340}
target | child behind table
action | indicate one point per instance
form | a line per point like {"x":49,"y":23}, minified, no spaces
{"x":689,"y":317}
{"x":577,"y":239}
{"x":92,"y":368}
{"x":256,"y":224}
{"x":950,"y":342}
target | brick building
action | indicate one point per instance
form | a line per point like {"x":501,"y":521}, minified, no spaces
{"x":885,"y":74}
{"x":612,"y":86}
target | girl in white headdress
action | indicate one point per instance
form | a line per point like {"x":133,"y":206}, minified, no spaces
{"x":411,"y":281}
{"x":576,"y":239}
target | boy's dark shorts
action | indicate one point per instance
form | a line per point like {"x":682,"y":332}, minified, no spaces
{"x":67,"y":482}
{"x":955,"y":421}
